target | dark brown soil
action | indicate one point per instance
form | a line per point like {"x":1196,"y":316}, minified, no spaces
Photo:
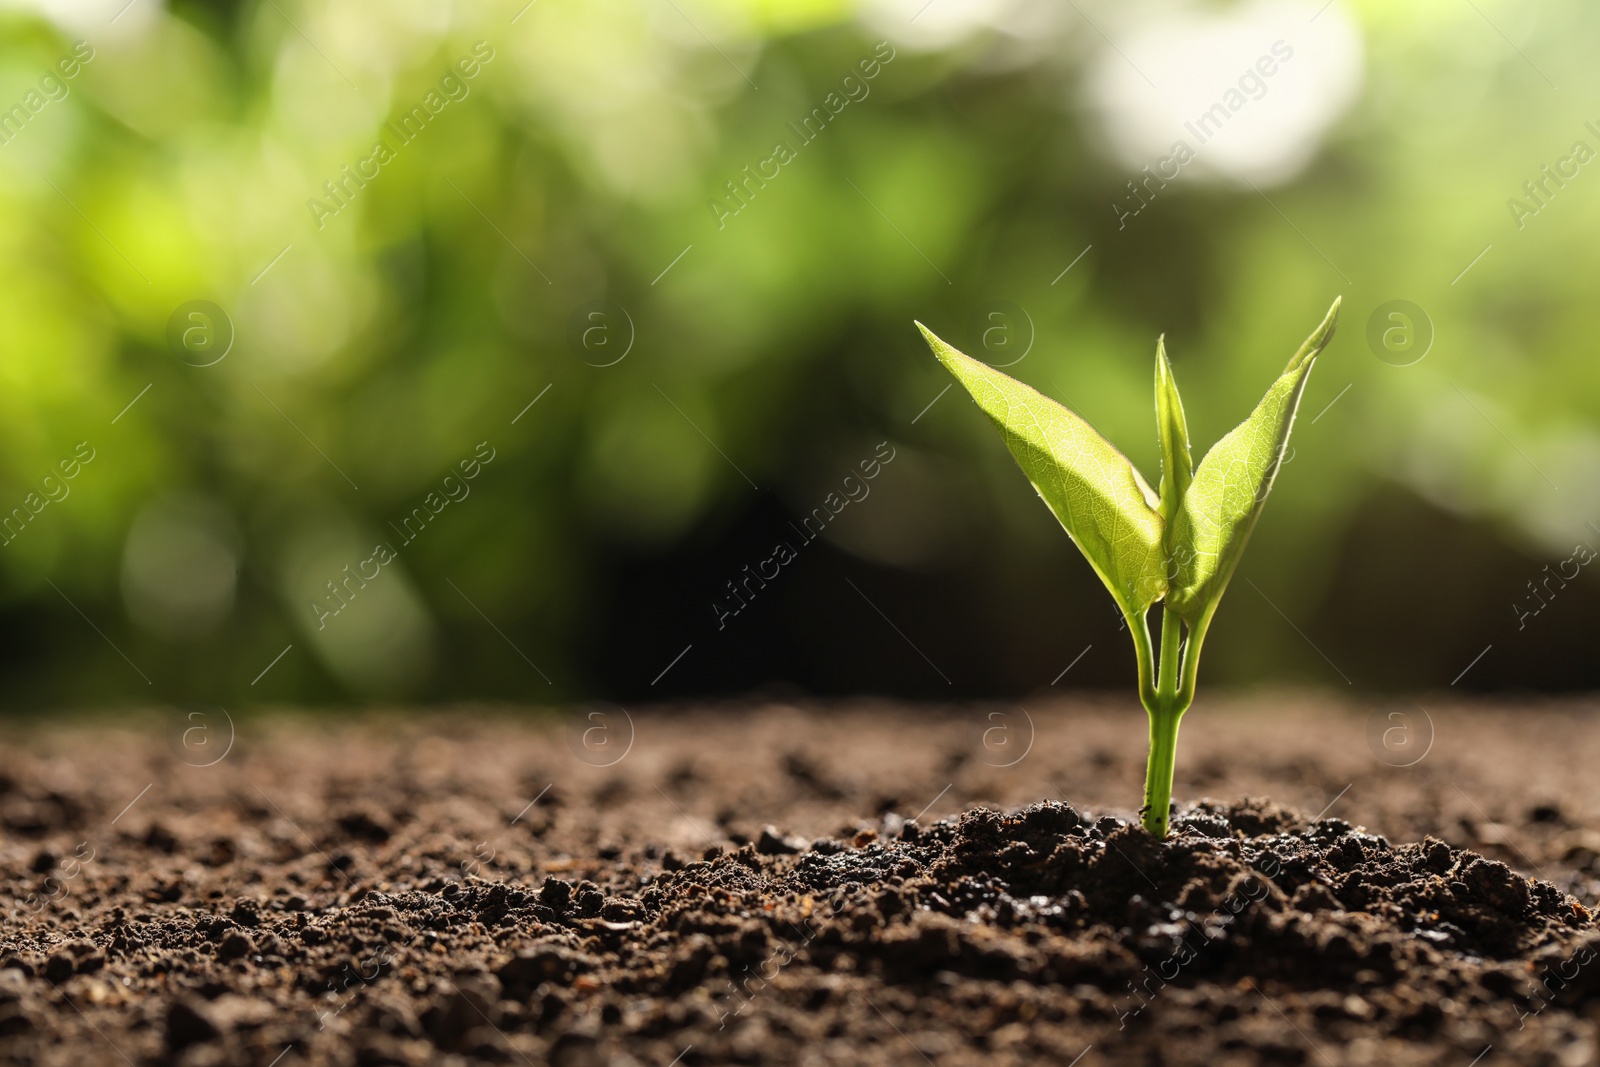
{"x":775,"y":885}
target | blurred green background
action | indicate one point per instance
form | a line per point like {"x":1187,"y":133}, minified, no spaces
{"x":617,"y":213}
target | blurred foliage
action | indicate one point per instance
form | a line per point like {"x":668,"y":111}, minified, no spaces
{"x":557,"y":209}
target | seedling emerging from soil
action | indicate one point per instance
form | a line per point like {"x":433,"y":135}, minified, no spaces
{"x":1180,"y":545}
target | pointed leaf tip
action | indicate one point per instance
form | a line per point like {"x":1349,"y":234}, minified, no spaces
{"x":945,"y":353}
{"x":1230,"y":488}
{"x":1319,"y":337}
{"x":1093,"y":490}
{"x":1177,"y":467}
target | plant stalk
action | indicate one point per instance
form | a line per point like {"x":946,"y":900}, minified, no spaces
{"x":1165,"y":704}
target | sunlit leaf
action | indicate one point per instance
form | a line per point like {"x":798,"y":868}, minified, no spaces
{"x":1230,"y":487}
{"x":1107,"y":508}
{"x":1177,"y":468}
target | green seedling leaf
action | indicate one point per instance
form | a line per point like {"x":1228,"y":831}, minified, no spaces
{"x":1230,"y":487}
{"x":1107,"y":508}
{"x":1182,"y":544}
{"x":1177,"y":469}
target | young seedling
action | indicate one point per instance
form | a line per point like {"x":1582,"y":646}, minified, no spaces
{"x":1179,"y":545}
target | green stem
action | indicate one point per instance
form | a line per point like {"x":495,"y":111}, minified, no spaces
{"x":1140,"y":630}
{"x":1166,"y":705}
{"x":1191,"y":657}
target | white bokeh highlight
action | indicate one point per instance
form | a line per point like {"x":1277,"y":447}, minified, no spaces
{"x":1149,"y":87}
